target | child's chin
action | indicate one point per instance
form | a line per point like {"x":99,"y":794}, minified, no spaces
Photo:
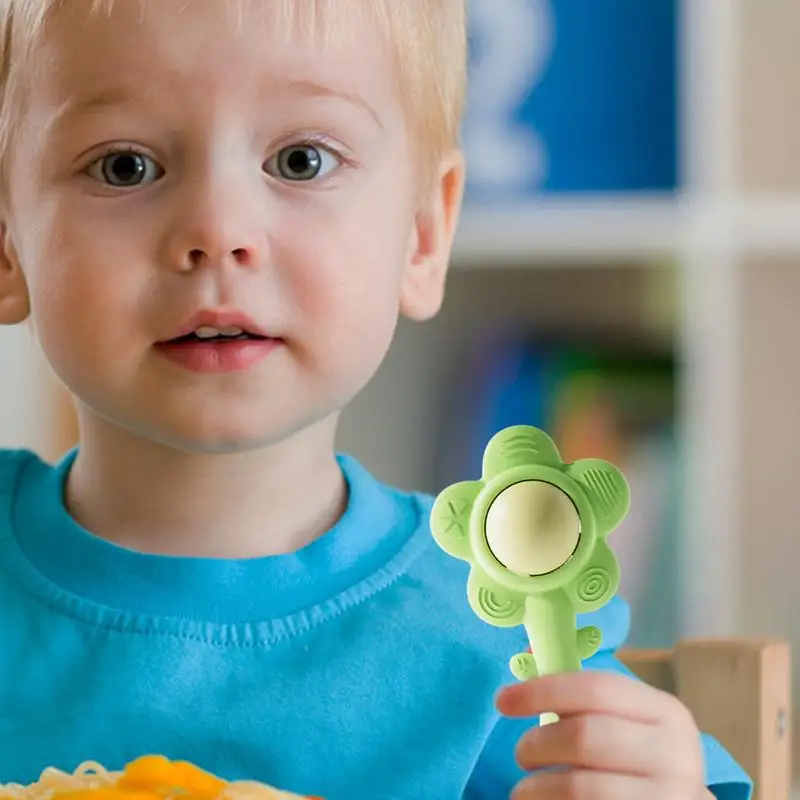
{"x":220,"y":442}
{"x":225,"y":428}
{"x":223,"y":438}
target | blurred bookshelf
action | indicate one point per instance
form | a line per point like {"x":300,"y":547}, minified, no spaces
{"x":697,"y":258}
{"x":634,"y":200}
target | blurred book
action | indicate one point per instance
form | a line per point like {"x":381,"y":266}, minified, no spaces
{"x":597,"y":395}
{"x":618,"y":132}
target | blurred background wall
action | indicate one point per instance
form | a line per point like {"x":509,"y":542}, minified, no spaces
{"x":627,"y":275}
{"x":28,"y":406}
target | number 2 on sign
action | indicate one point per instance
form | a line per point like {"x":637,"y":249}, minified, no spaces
{"x":513,"y":42}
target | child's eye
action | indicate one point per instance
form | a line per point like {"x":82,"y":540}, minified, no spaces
{"x":301,"y":162}
{"x":125,"y":169}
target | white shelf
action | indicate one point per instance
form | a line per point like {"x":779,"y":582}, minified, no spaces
{"x":579,"y":230}
{"x":768,"y":226}
{"x":568,"y":232}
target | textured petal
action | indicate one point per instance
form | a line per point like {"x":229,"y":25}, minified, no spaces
{"x":598,"y":582}
{"x":517,"y":446}
{"x":500,"y":607}
{"x":450,"y":518}
{"x":607,"y":490}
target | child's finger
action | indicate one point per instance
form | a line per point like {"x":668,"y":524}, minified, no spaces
{"x":592,"y":741}
{"x":589,"y":692}
{"x":582,"y":783}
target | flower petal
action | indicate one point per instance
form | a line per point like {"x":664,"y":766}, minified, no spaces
{"x":607,"y":490}
{"x":494,"y":604}
{"x":450,"y":518}
{"x":598,"y":582}
{"x":516,"y":446}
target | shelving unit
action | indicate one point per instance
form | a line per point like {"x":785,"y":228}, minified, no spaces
{"x":732,"y":235}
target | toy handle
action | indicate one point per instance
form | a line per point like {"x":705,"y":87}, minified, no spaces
{"x":551,"y":625}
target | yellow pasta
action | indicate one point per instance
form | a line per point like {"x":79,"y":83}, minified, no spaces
{"x":146,"y":778}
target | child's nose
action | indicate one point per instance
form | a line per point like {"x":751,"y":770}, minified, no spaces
{"x":199,"y":257}
{"x":214,"y":246}
{"x":215,"y":228}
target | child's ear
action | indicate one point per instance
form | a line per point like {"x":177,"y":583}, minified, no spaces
{"x":14,"y":301}
{"x":431,"y":243}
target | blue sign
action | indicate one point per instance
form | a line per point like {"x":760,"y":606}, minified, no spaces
{"x":571,"y":96}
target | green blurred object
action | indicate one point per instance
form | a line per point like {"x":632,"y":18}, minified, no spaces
{"x":533,"y":530}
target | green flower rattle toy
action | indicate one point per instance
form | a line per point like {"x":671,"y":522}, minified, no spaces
{"x":534,"y":531}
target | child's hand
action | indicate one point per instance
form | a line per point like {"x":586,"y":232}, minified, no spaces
{"x":617,"y":739}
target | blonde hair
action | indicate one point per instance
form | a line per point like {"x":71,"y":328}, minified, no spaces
{"x":428,"y":37}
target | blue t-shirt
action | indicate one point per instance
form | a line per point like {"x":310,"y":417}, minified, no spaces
{"x":353,"y":668}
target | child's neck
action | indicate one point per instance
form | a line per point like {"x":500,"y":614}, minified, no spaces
{"x":155,"y":499}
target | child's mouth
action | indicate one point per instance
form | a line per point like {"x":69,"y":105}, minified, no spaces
{"x":208,"y":334}
{"x":216,"y":350}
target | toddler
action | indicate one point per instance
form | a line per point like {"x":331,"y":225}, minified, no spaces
{"x":213,"y":213}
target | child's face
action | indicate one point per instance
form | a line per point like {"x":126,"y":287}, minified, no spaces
{"x":260,"y":174}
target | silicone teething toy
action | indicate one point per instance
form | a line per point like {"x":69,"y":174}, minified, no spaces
{"x":534,"y":531}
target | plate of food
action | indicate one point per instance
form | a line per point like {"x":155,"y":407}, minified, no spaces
{"x":150,"y":777}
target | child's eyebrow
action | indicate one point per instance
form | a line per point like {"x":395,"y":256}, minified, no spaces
{"x":103,"y":98}
{"x":111,"y":96}
{"x":314,"y":89}
{"x":78,"y":104}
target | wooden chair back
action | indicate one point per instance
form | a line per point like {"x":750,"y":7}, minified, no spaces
{"x":739,"y":691}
